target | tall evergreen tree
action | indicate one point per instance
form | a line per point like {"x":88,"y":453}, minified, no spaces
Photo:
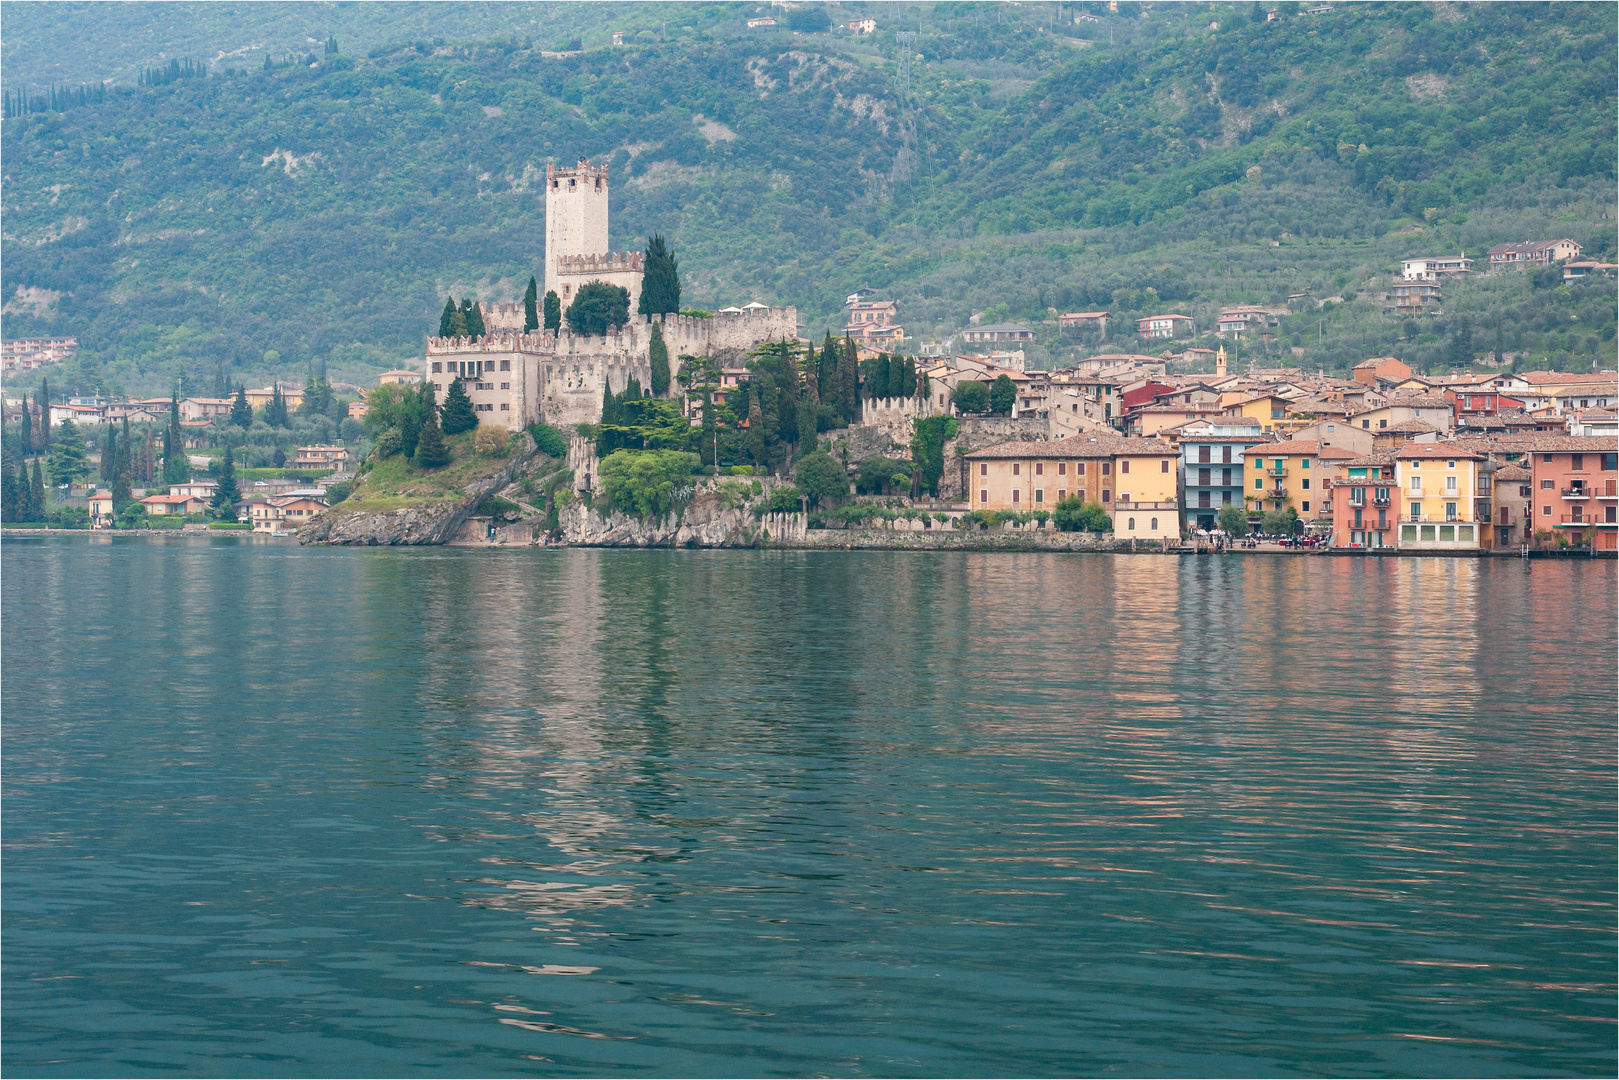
{"x":609,"y":405}
{"x":708,"y":448}
{"x":109,"y":447}
{"x":241,"y":414}
{"x":660,"y":280}
{"x":122,"y":472}
{"x":553,"y":311}
{"x":411,"y":421}
{"x":44,"y":415}
{"x":226,"y":494}
{"x":473,"y":316}
{"x":25,"y":493}
{"x":146,"y":463}
{"x":907,"y":386}
{"x":69,"y":460}
{"x":756,"y":430}
{"x":812,"y":374}
{"x":174,"y":462}
{"x":848,"y":383}
{"x":531,"y":305}
{"x":8,"y":492}
{"x":446,"y":320}
{"x":659,"y":353}
{"x":431,"y":453}
{"x":457,"y":415}
{"x":829,"y":370}
{"x":38,"y":507}
{"x":220,"y":386}
{"x":27,"y":427}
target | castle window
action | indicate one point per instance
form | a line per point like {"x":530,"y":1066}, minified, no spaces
{"x":437,"y":367}
{"x":505,"y":408}
{"x":505,"y":386}
{"x":505,"y":365}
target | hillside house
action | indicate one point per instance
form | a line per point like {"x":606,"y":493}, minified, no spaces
{"x":1434,"y":267}
{"x":997,"y":332}
{"x":1164,"y":326}
{"x":1532,"y":253}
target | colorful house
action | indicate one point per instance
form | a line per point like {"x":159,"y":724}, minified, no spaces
{"x":1363,"y":510}
{"x":1576,"y":488}
{"x":1445,"y":493}
{"x":1293,"y":473}
{"x":1212,"y":467}
{"x":1133,"y":479}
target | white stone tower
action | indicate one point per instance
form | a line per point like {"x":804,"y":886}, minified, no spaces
{"x":576,"y":235}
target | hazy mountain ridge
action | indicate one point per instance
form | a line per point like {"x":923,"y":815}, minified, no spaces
{"x":323,"y":212}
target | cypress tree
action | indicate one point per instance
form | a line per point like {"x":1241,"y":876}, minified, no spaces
{"x":806,"y":426}
{"x":756,"y":429}
{"x":446,"y":320}
{"x":173,"y":459}
{"x":907,"y":386}
{"x":241,"y":414}
{"x":660,"y":280}
{"x":431,"y":453}
{"x":44,"y":415}
{"x":848,"y":384}
{"x":8,"y":492}
{"x":27,"y":427}
{"x":659,"y":353}
{"x":36,"y":495}
{"x":146,"y":467}
{"x":531,"y":302}
{"x":25,"y":493}
{"x":553,"y":311}
{"x":609,"y":405}
{"x":108,"y":449}
{"x":812,"y":375}
{"x":121,"y":469}
{"x":457,"y":415}
{"x":706,"y":451}
{"x":226,"y":494}
{"x":474,"y":314}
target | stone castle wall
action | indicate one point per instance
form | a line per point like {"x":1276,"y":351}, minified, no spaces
{"x":558,"y":377}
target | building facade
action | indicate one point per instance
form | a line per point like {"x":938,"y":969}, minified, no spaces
{"x":1576,"y":489}
{"x":1212,"y":468}
{"x":1445,"y":495}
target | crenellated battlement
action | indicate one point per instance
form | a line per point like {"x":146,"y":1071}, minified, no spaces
{"x":582,"y":171}
{"x":612,"y":262}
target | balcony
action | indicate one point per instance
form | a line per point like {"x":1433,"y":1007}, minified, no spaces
{"x":1571,"y":521}
{"x":1576,"y":493}
{"x":1278,"y":473}
{"x":1610,"y":491}
{"x":1381,"y":502}
{"x":1276,"y":493}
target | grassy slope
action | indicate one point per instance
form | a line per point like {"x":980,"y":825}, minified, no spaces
{"x":323,"y":212}
{"x":393,"y":482}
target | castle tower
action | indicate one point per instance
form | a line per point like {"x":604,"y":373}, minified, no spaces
{"x":1219,"y":363}
{"x":575,"y":216}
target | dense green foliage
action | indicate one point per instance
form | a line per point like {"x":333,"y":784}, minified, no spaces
{"x":647,"y":483}
{"x":821,"y":478}
{"x":658,"y":357}
{"x":597,"y":308}
{"x":1074,"y":514}
{"x":927,"y":449}
{"x":549,"y":441}
{"x":431,"y":450}
{"x":1002,"y":394}
{"x":456,"y":414}
{"x":69,"y":461}
{"x":310,"y":210}
{"x":660,"y":284}
{"x":1233,"y":519}
{"x":971,"y":397}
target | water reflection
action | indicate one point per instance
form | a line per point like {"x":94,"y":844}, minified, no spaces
{"x":787,"y":812}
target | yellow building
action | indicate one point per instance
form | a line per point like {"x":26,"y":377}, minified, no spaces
{"x":1133,"y":479}
{"x":1269,"y":411}
{"x":1293,"y":474}
{"x":291,"y":393}
{"x":1444,"y":497}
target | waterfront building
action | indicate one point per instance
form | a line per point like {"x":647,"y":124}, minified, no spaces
{"x":1362,"y":502}
{"x":1133,"y":479}
{"x":1576,"y":488}
{"x":1514,"y":505}
{"x":1293,"y":473}
{"x":1212,"y":467}
{"x":1445,"y":493}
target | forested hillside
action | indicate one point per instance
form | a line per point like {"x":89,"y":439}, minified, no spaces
{"x":1167,"y":156}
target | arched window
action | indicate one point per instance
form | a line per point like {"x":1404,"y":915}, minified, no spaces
{"x":1132,"y":525}
{"x":1154,"y":524}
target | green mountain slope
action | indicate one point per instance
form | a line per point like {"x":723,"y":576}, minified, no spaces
{"x":1183,"y":155}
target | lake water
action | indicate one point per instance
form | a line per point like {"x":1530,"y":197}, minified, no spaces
{"x":278,"y":811}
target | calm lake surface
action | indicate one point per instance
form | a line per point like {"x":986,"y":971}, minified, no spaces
{"x":278,"y":811}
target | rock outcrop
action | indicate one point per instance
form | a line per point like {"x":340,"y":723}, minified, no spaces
{"x":427,"y":522}
{"x":705,"y":522}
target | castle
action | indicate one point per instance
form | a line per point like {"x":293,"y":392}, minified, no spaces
{"x":557,"y":377}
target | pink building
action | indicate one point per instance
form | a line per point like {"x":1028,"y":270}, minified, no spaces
{"x":1362,"y":502}
{"x":1576,"y":487}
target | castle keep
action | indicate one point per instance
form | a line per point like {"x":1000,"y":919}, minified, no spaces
{"x":515,"y":379}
